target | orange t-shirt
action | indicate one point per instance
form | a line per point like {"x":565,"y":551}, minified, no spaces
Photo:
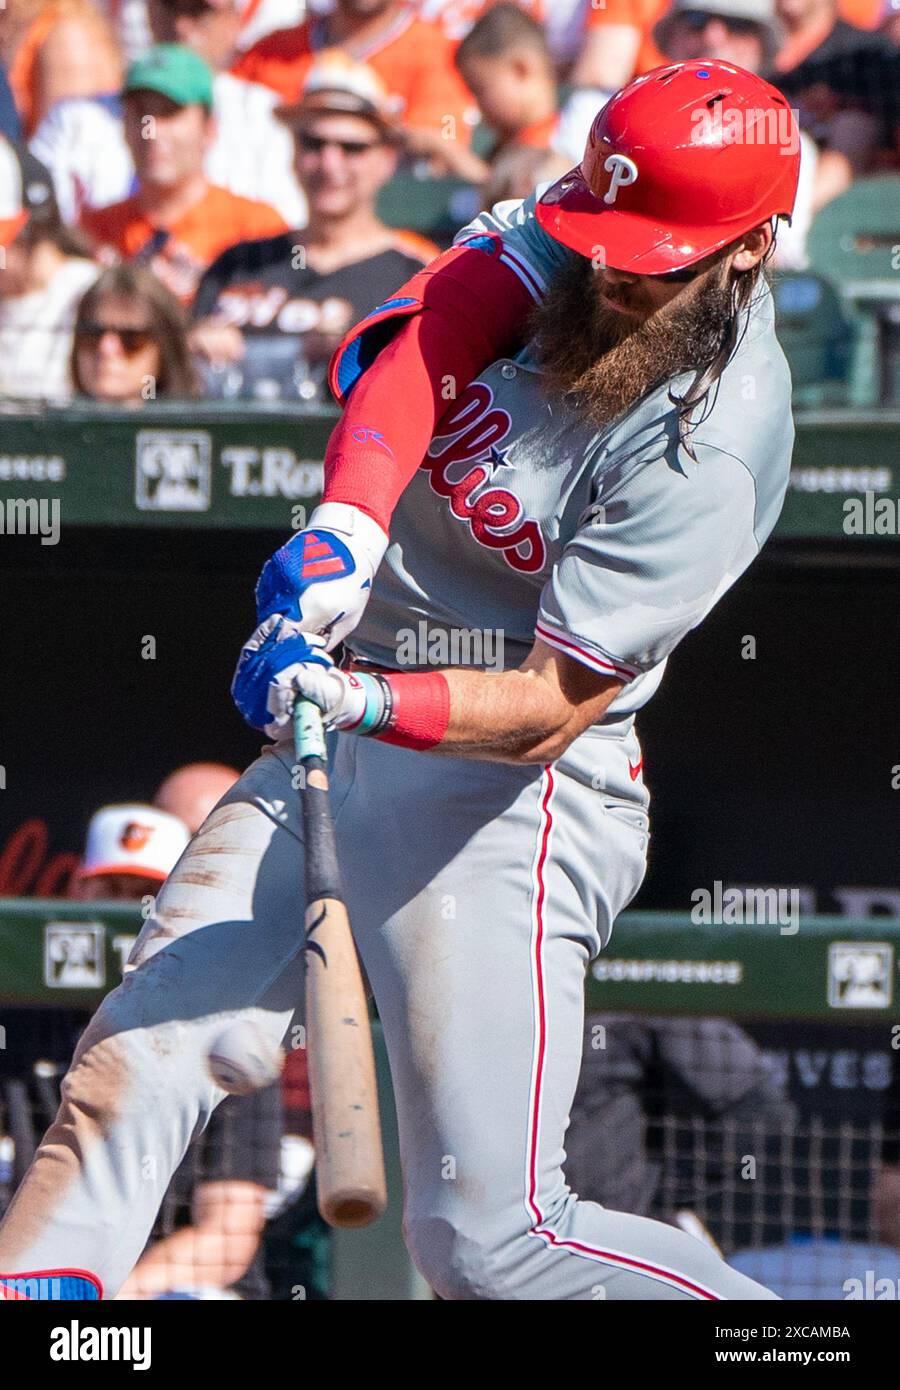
{"x":642,"y":15}
{"x":539,"y":135}
{"x":413,"y":58}
{"x":457,"y":17}
{"x":215,"y":222}
{"x":867,"y":14}
{"x":799,"y":46}
{"x":414,"y":244}
{"x":23,"y":68}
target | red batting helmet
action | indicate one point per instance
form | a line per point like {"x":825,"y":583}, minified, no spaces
{"x":678,"y":164}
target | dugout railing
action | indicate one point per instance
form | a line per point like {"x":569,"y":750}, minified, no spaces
{"x":245,"y":465}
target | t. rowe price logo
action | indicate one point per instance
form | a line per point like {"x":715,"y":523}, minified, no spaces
{"x":493,"y":513}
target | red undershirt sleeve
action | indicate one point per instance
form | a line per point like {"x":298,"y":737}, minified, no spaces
{"x":400,"y":370}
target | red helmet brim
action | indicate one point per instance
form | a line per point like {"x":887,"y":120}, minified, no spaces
{"x":576,"y":217}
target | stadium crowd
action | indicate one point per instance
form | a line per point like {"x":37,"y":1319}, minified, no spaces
{"x":195,"y":195}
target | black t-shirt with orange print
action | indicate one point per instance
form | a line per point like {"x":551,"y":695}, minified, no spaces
{"x":264,"y":288}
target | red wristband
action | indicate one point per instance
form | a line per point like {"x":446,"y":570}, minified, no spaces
{"x":421,"y":709}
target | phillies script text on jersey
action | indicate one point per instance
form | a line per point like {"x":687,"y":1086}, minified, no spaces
{"x":493,"y":513}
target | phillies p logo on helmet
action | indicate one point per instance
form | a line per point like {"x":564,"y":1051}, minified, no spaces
{"x":623,"y":170}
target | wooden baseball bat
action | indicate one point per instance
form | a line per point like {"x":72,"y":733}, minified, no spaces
{"x":346,"y":1125}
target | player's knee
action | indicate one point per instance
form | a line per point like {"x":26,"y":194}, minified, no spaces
{"x":119,"y":1066}
{"x":451,"y":1262}
{"x":459,"y":1261}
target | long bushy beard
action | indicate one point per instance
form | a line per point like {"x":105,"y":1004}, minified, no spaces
{"x":603,"y":361}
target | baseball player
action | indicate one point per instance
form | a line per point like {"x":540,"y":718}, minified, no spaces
{"x":587,"y":495}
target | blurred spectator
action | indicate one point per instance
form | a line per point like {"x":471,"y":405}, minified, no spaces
{"x":636,"y":1071}
{"x":866,"y":14}
{"x":176,"y":222}
{"x":886,"y":1195}
{"x":506,"y":64}
{"x":256,"y":18}
{"x":890,"y":20}
{"x":252,"y":153}
{"x":130,"y":344}
{"x":615,"y":43}
{"x":130,"y":850}
{"x":517,"y":172}
{"x":192,"y":791}
{"x":564,"y":23}
{"x":130,"y":24}
{"x":745,"y":32}
{"x":262,"y":17}
{"x":618,"y":44}
{"x":843,"y":80}
{"x":413,"y":58}
{"x":46,"y":270}
{"x":82,"y":141}
{"x":54,"y":49}
{"x":207,"y":1237}
{"x":280,"y":306}
{"x":10,"y":124}
{"x":458,"y":17}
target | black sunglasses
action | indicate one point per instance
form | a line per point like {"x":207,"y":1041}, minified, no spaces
{"x":132,"y":339}
{"x":314,"y":144}
{"x":194,"y":9}
{"x":681,"y":277}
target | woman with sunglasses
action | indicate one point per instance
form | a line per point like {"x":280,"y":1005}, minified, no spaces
{"x":130,"y":344}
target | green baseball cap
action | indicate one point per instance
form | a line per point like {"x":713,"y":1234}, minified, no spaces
{"x":176,"y":72}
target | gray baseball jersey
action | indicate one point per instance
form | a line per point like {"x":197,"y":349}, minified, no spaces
{"x":610,"y":544}
{"x":478,"y":891}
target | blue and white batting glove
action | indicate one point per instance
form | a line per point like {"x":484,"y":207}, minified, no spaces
{"x":322,"y":577}
{"x":281,"y":662}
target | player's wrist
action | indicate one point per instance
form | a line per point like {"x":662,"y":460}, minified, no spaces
{"x":368,"y":706}
{"x":359,"y":530}
{"x":410,"y":709}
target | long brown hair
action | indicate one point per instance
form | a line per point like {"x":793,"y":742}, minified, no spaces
{"x":744,"y":284}
{"x":177,"y":378}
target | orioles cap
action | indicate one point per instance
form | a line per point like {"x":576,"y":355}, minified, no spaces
{"x":26,"y":189}
{"x":133,"y":839}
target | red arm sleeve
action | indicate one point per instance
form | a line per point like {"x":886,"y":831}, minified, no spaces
{"x":408,"y":361}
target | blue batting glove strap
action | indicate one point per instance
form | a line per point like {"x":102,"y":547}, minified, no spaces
{"x":258,"y":666}
{"x":310,"y":557}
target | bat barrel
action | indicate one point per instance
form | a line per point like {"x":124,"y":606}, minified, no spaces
{"x":350,"y":1176}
